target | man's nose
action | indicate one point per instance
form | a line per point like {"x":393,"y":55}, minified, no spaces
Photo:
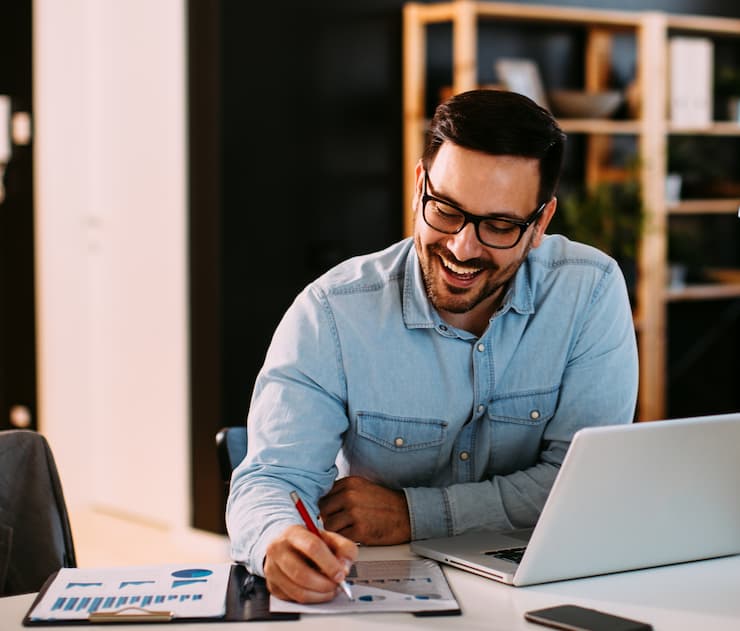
{"x":465,"y":244}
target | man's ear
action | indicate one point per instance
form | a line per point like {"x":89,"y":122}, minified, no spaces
{"x":544,"y":221}
{"x":419,"y":174}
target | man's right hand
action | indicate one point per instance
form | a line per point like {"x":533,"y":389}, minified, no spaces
{"x":305,"y":568}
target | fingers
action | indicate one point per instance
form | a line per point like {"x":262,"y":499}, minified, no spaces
{"x":302,"y":567}
{"x":337,"y":517}
{"x":345,"y":492}
{"x":283,"y":586}
{"x":343,"y":549}
{"x":339,"y":507}
{"x":366,"y":512}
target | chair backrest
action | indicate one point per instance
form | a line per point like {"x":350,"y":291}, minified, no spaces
{"x":35,"y":533}
{"x":231,"y":447}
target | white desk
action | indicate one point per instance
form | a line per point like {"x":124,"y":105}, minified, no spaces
{"x":689,"y":596}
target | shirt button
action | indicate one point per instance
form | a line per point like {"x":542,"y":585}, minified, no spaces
{"x":481,"y":407}
{"x":481,"y":347}
{"x":534,"y":415}
{"x":442,"y":327}
{"x":464,"y":455}
{"x":398,"y":442}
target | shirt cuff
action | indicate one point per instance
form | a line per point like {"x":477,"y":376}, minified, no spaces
{"x":429,"y":512}
{"x":256,"y":558}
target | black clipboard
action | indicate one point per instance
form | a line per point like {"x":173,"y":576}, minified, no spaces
{"x":241,"y":606}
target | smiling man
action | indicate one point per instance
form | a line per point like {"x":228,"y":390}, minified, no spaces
{"x":434,"y":387}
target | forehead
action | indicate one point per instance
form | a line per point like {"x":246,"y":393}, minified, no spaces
{"x":483,"y":182}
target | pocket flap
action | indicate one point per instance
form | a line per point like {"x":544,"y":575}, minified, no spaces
{"x":526,"y":408}
{"x":401,"y":433}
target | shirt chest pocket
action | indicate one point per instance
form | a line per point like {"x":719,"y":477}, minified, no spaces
{"x":397,"y":451}
{"x":518,"y":422}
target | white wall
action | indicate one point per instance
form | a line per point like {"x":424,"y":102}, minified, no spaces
{"x":111,"y":236}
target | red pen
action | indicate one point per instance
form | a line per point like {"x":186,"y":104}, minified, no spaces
{"x":312,"y":527}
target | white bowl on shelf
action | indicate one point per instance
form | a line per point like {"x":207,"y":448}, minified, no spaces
{"x":582,"y":104}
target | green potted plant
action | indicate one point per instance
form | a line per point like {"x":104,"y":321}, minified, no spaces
{"x":609,"y":216}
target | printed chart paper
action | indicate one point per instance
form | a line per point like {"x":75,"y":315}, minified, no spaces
{"x":184,"y":591}
{"x":401,"y":585}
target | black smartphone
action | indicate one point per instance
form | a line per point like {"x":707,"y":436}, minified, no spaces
{"x":575,"y":618}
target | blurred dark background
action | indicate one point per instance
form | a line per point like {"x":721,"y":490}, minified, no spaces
{"x":295,"y":132}
{"x":17,"y":301}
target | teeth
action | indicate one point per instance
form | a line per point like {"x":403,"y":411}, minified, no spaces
{"x":459,"y":270}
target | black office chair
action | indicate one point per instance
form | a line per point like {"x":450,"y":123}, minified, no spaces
{"x":231,"y":447}
{"x":35,"y":533}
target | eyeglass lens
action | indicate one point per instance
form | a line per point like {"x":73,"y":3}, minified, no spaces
{"x":493,"y":232}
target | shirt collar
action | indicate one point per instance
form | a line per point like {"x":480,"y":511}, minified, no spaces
{"x":418,"y":312}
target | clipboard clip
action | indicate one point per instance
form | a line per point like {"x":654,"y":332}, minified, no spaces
{"x":131,"y":614}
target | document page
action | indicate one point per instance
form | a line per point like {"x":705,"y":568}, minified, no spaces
{"x":177,"y":590}
{"x":402,"y":585}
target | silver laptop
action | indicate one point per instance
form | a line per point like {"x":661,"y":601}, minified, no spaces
{"x":626,"y":497}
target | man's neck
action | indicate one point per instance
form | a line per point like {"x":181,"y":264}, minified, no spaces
{"x":476,"y":320}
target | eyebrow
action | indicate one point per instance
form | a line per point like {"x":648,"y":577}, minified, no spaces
{"x":507,"y":214}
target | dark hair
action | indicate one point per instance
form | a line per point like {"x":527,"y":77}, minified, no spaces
{"x":500,"y":123}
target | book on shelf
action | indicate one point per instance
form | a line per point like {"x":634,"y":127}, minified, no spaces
{"x":691,"y":66}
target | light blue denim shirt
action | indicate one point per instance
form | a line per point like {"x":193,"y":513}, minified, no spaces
{"x":363,"y":377}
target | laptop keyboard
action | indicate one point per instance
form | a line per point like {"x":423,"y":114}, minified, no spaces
{"x":510,"y":554}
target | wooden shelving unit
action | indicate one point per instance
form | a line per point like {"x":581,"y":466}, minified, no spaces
{"x":651,"y":128}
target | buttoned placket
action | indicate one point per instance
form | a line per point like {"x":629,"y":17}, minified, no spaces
{"x":463,"y":455}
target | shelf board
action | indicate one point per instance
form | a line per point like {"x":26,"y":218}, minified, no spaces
{"x":713,"y":291}
{"x":705,"y":24}
{"x":599,"y":126}
{"x":548,"y":13}
{"x":704,"y":207}
{"x":446,"y":12}
{"x":717,"y":128}
{"x":633,"y":127}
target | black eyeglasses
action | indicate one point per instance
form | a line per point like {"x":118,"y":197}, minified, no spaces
{"x":492,"y":231}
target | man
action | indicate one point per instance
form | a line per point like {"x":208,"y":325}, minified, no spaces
{"x":434,"y":387}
